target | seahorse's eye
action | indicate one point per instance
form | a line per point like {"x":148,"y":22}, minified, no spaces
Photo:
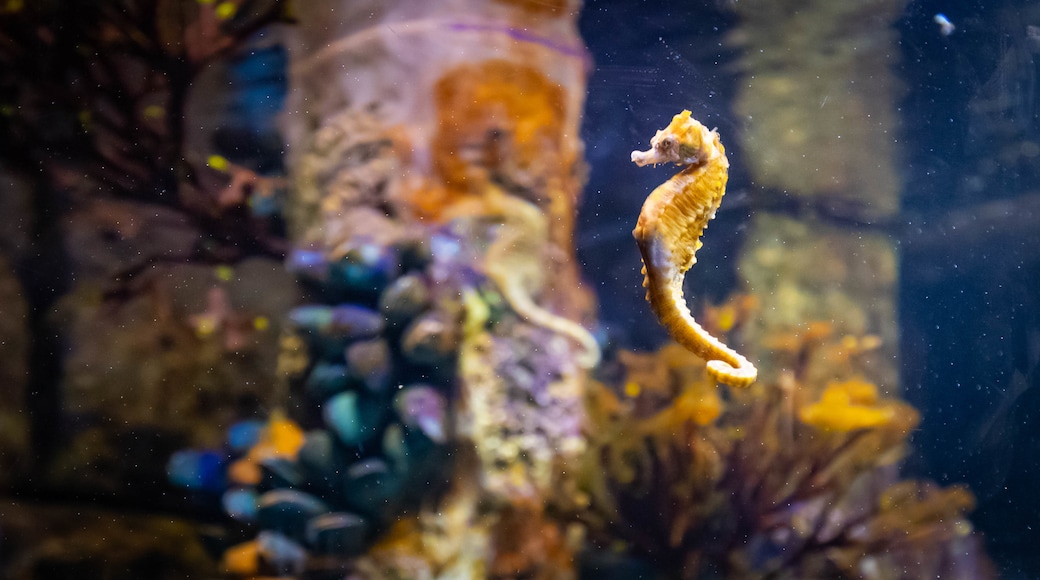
{"x":667,"y":147}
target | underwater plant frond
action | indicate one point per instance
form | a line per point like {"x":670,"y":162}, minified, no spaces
{"x":668,"y":235}
{"x":756,"y":492}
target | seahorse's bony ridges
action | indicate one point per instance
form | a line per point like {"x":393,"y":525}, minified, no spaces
{"x":668,"y":233}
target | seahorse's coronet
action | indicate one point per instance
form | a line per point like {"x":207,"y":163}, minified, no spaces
{"x":668,"y":235}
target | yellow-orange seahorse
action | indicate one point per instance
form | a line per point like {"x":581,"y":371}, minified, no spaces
{"x":668,"y":234}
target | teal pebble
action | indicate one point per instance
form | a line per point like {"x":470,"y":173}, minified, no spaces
{"x":371,"y":489}
{"x":318,"y":458}
{"x":326,"y":380}
{"x":354,"y":419}
{"x":279,"y":472}
{"x":287,"y":511}
{"x":337,"y":534}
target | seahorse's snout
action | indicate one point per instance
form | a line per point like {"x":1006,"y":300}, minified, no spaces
{"x":663,"y":149}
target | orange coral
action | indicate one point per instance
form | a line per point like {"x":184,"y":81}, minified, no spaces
{"x":494,"y":118}
{"x":504,"y":126}
{"x":542,"y":7}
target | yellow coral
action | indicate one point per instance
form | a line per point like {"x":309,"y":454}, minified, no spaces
{"x":699,"y":403}
{"x":672,"y":384}
{"x":848,"y":406}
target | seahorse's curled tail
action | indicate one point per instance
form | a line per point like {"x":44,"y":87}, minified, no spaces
{"x":668,"y":235}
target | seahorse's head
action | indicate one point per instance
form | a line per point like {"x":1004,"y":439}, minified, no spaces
{"x":684,"y":141}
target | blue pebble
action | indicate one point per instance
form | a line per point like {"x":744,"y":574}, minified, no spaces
{"x":445,"y":246}
{"x":241,"y":436}
{"x":367,"y":468}
{"x":310,"y":263}
{"x":395,"y":448}
{"x":318,"y":460}
{"x":196,"y":470}
{"x":264,"y":205}
{"x":346,"y":320}
{"x":369,"y":361}
{"x":364,"y":270}
{"x":240,"y":504}
{"x":414,"y":254}
{"x":356,"y":322}
{"x":285,"y":555}
{"x":280,"y":472}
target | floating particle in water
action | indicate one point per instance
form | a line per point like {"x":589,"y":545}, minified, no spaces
{"x":946,"y":27}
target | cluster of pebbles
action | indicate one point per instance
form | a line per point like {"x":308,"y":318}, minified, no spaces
{"x":381,"y":341}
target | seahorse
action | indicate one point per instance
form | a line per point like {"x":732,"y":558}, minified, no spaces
{"x":668,"y":235}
